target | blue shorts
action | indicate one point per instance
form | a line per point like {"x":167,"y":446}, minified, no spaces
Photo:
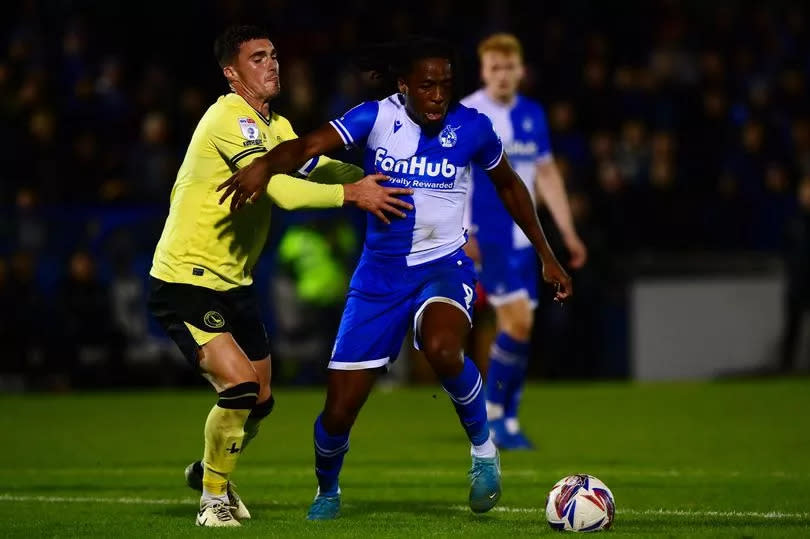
{"x":386,"y":298}
{"x":508,"y":274}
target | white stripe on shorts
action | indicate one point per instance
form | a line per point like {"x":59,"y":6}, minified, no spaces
{"x":358,"y":365}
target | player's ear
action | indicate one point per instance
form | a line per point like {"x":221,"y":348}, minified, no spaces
{"x":403,"y":88}
{"x":230,"y":74}
{"x":521,"y":69}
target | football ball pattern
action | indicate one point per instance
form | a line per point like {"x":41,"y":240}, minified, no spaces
{"x":580,"y":503}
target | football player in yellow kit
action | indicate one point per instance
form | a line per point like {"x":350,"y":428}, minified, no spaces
{"x":201,"y":282}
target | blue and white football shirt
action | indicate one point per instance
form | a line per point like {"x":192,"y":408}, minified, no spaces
{"x":436,"y":165}
{"x":522,"y":127}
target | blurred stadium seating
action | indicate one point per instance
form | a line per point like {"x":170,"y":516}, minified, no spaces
{"x":682,"y":129}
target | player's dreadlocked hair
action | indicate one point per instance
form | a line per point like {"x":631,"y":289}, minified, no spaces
{"x":393,"y":60}
{"x":226,"y":46}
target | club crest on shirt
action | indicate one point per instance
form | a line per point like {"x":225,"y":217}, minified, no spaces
{"x":249,"y":128}
{"x":214,"y":320}
{"x":448,"y":137}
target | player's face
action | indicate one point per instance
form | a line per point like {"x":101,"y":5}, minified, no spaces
{"x":257,"y":68}
{"x":501,"y":74}
{"x":428,"y":90}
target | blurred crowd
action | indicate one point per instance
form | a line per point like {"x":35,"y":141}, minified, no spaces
{"x":679,"y":126}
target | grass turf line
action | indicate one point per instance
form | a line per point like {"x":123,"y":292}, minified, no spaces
{"x":704,"y":460}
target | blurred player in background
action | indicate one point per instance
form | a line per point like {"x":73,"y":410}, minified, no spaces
{"x":201,"y":283}
{"x":508,"y":266}
{"x":413,"y":272}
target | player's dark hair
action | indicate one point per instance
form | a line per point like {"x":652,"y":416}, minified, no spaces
{"x":226,"y":46}
{"x":394,"y":60}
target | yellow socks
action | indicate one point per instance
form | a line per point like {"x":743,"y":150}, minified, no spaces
{"x":224,"y":432}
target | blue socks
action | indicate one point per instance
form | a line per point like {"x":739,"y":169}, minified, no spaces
{"x":467,"y":393}
{"x":329,"y":453}
{"x":508,"y":363}
{"x":466,"y":390}
{"x":515,"y":391}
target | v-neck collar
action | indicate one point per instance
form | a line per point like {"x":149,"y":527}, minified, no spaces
{"x":264,"y":119}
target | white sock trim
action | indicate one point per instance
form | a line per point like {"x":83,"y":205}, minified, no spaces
{"x":485,"y":450}
{"x":469,"y":397}
{"x":494,"y":411}
{"x":207,"y":497}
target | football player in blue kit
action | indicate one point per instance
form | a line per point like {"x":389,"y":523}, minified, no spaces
{"x":413,"y":272}
{"x":508,"y":265}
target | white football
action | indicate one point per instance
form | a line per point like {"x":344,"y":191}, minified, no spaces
{"x":580,"y":503}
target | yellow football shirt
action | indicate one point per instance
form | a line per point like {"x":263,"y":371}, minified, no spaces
{"x":203,"y":243}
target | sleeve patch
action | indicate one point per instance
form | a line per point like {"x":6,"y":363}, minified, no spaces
{"x":249,"y":128}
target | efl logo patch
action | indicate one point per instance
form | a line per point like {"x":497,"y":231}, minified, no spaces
{"x":249,"y":128}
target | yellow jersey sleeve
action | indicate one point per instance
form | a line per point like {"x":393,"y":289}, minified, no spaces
{"x":237,"y":137}
{"x":292,"y":193}
{"x":321,"y":169}
{"x":334,"y":171}
{"x":239,"y":140}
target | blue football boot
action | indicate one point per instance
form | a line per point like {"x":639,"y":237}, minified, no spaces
{"x":485,"y":483}
{"x":517,"y":441}
{"x":503,"y":439}
{"x":324,"y":507}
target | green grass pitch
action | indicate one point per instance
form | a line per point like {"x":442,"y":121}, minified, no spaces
{"x":725,"y":459}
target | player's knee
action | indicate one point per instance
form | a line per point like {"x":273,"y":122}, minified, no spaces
{"x":338,"y":419}
{"x":245,"y":376}
{"x":265,"y":393}
{"x":242,"y":396}
{"x":443,"y":352}
{"x":262,"y":408}
{"x":519,"y":327}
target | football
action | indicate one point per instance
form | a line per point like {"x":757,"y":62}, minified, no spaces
{"x":580,"y":503}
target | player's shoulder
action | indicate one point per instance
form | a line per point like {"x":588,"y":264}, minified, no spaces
{"x":469,"y":116}
{"x":367,"y":108}
{"x":231,"y":114}
{"x":280,"y":122}
{"x":529,"y":105}
{"x":225,"y":110}
{"x":232,"y":105}
{"x":475,"y":100}
{"x":393,"y":101}
{"x":478,"y":109}
{"x":228,"y":105}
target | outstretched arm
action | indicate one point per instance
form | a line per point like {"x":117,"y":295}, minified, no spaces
{"x":249,"y":182}
{"x":332,"y":171}
{"x":518,"y":202}
{"x":551,"y":189}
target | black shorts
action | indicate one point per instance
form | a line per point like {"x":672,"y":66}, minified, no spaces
{"x":236,"y":311}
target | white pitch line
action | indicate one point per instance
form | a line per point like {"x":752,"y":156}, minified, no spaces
{"x":666,"y":512}
{"x":773,"y":515}
{"x":724,"y":514}
{"x":91,"y":499}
